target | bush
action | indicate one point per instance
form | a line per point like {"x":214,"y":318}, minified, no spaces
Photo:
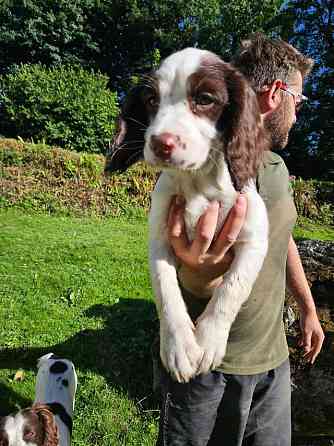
{"x":312,"y":200}
{"x":65,"y":106}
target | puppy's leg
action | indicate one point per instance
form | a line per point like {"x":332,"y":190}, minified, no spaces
{"x":179,"y":350}
{"x":213,"y":326}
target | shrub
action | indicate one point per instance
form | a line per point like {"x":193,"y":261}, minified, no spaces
{"x":65,"y":106}
{"x":311,"y":199}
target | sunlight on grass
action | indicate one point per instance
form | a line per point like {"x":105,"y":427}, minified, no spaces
{"x":80,"y":288}
{"x":306,"y":229}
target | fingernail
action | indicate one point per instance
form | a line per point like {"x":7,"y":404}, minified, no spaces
{"x":241,"y":200}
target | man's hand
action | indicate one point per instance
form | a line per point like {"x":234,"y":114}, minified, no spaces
{"x":312,"y":335}
{"x":204,"y":261}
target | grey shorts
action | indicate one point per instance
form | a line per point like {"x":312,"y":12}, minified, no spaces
{"x":220,"y":409}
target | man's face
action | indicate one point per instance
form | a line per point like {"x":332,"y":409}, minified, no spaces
{"x":280,"y":121}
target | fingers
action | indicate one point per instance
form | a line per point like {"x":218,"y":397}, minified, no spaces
{"x":195,"y":254}
{"x":176,"y":227}
{"x":232,"y":226}
{"x":306,"y":343}
{"x":312,"y":343}
{"x":191,"y":254}
{"x":175,"y":217}
{"x":314,"y":351}
{"x":205,"y":230}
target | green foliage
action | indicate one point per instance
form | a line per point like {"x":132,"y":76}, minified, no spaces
{"x":37,"y":177}
{"x":309,"y":200}
{"x":141,"y":27}
{"x":46,"y":31}
{"x":122,"y":38}
{"x":66,"y":106}
{"x":308,"y":229}
{"x":309,"y":25}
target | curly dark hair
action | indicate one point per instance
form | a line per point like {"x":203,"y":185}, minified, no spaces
{"x":262,"y":60}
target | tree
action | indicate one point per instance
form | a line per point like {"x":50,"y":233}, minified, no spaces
{"x":128,"y":32}
{"x":46,"y":31}
{"x":123,"y":37}
{"x":309,"y":25}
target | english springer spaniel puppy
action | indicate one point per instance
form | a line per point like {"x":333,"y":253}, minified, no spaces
{"x":49,"y":421}
{"x":198,"y":120}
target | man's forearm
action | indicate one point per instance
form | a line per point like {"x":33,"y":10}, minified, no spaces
{"x":296,"y":279}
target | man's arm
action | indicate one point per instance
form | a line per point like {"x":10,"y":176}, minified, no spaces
{"x":312,"y":334}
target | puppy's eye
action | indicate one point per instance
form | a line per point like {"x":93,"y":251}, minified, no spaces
{"x":150,"y":98}
{"x":204,"y":99}
{"x":152,"y":101}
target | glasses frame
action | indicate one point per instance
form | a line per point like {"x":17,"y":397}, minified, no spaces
{"x":298,"y":98}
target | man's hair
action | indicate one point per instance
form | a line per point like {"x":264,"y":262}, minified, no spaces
{"x":263,"y":60}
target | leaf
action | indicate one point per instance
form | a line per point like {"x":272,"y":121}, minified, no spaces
{"x":19,"y":376}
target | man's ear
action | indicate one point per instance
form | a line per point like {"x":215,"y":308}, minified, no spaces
{"x":270,"y":99}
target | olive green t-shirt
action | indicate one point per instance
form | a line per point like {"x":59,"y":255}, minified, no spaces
{"x":257,"y":341}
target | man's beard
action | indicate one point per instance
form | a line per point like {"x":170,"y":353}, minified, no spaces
{"x":277,"y":128}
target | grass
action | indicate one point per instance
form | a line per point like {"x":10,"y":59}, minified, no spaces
{"x":307,"y":229}
{"x":80,"y":288}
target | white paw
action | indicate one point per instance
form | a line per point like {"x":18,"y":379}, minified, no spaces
{"x":179,"y":351}
{"x":211,"y":334}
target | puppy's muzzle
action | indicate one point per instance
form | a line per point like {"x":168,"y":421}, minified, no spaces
{"x":163,"y":145}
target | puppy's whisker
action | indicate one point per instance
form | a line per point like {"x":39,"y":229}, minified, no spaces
{"x":124,"y":148}
{"x":134,"y":155}
{"x":144,"y":126}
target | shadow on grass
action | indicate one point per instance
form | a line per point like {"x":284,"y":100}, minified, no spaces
{"x":121,"y":351}
{"x":11,"y":401}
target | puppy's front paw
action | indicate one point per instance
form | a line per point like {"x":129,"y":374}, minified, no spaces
{"x":179,"y":351}
{"x":211,"y":334}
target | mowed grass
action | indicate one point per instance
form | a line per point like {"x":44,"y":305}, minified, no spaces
{"x":80,"y":288}
{"x":306,"y":229}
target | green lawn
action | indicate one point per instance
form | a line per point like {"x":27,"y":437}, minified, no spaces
{"x":80,"y":288}
{"x":306,"y":229}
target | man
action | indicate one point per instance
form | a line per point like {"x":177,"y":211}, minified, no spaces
{"x":246,"y":401}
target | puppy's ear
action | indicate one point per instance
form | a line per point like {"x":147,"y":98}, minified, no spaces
{"x":50,"y":428}
{"x":245,"y":137}
{"x":128,"y":143}
{"x":3,"y":434}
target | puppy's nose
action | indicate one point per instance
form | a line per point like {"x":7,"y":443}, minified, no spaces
{"x":163,"y":145}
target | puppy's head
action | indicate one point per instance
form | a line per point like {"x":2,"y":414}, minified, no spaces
{"x":194,"y":111}
{"x":56,"y":375}
{"x":34,"y":426}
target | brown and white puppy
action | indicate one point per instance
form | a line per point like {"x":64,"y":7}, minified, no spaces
{"x":49,"y":421}
{"x":34,"y":426}
{"x":198,"y":119}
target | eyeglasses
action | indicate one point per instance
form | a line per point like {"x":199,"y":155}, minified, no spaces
{"x":298,"y":98}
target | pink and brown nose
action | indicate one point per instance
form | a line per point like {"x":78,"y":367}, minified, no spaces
{"x":163,"y":145}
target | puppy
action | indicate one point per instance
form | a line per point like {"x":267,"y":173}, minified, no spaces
{"x":198,"y":120}
{"x":34,"y":426}
{"x":49,"y":421}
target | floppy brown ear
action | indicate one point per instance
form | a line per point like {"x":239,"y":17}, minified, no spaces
{"x":128,"y":143}
{"x":3,"y":434}
{"x":245,"y":137}
{"x":51,"y":435}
